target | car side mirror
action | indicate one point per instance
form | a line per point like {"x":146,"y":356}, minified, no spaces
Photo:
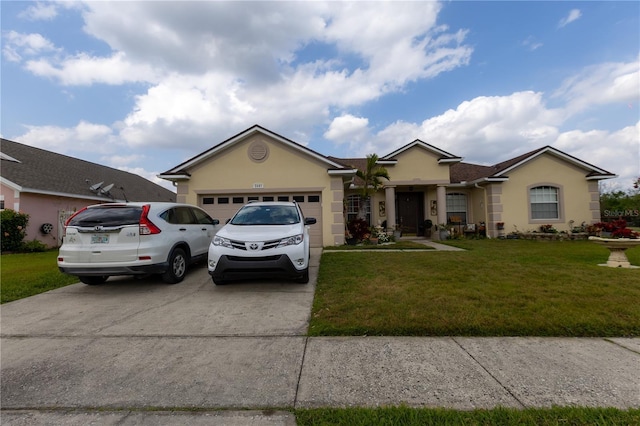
{"x":216,"y":222}
{"x":309,"y":220}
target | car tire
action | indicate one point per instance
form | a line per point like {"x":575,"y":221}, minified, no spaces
{"x":177,"y":267}
{"x":218,"y":281}
{"x":94,"y":279}
{"x":304,"y":279}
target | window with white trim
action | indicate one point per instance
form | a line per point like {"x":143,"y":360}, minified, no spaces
{"x":544,"y":202}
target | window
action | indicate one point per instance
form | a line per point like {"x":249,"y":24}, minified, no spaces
{"x":283,"y":198}
{"x":223,"y":200}
{"x":267,"y":198}
{"x":202,"y":217}
{"x":353,"y":208}
{"x":298,"y":198}
{"x":313,"y":198}
{"x":238,"y":200}
{"x":252,"y":198}
{"x":207,"y":200}
{"x":544,"y":202}
{"x":457,"y":206}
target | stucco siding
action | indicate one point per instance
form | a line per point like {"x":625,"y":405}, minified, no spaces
{"x":575,"y":197}
{"x":281,"y":169}
{"x":419,"y":166}
{"x":48,"y":209}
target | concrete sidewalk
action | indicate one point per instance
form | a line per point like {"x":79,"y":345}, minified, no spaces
{"x":132,"y":352}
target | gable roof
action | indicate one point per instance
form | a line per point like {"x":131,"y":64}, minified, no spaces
{"x":465,"y":172}
{"x":181,"y":170}
{"x":35,"y":170}
{"x":445,"y":157}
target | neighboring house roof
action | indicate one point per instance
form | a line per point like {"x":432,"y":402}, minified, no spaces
{"x":181,"y":170}
{"x":465,"y":172}
{"x":28,"y":169}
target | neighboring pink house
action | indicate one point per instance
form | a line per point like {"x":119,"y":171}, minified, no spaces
{"x":49,"y":187}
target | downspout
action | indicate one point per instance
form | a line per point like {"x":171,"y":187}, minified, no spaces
{"x":486,"y":210}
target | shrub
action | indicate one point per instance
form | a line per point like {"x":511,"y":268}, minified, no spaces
{"x":13,"y":226}
{"x":359,"y":229}
{"x":34,"y":246}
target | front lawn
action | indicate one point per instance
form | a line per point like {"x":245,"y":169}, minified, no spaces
{"x":439,"y":416}
{"x":27,"y":274}
{"x":495,"y":288}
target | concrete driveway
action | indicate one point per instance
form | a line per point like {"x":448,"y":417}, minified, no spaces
{"x":143,"y":343}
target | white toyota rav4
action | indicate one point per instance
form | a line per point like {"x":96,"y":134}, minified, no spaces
{"x":263,"y":239}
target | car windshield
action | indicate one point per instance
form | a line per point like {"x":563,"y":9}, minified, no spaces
{"x":107,"y":216}
{"x":266,"y":215}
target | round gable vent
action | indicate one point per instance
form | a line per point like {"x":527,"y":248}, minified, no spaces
{"x":258,"y":151}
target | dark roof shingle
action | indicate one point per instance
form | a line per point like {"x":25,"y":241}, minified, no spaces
{"x":41,"y":171}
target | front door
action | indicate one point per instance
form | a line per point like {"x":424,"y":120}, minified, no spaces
{"x":410,"y":212}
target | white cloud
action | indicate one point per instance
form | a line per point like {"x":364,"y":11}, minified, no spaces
{"x":617,"y":152}
{"x":84,"y":136}
{"x":574,"y":15}
{"x":601,"y":84}
{"x":17,"y":45}
{"x":83,"y":69}
{"x":240,"y":63}
{"x":149,"y":175}
{"x":348,"y":128}
{"x":40,"y":12}
{"x":531,"y":43}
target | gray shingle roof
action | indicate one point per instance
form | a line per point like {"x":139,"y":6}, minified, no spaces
{"x":40,"y":171}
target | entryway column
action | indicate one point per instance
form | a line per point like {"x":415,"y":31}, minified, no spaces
{"x":390,"y":206}
{"x":441,"y":196}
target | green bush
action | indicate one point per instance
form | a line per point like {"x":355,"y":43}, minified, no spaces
{"x":34,"y":246}
{"x":13,"y":225}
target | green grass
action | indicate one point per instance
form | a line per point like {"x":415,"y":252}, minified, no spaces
{"x":25,"y":274}
{"x":495,"y":288}
{"x":501,"y":416}
{"x":399,"y":245}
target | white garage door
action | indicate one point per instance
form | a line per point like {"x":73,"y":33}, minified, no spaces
{"x":223,"y":207}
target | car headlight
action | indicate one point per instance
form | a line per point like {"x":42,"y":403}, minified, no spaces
{"x":291,"y":241}
{"x":224,"y":242}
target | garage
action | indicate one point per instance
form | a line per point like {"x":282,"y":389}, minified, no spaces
{"x":224,"y":206}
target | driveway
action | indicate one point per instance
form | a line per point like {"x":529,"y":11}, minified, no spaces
{"x":143,"y":343}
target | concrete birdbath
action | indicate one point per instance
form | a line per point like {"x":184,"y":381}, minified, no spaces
{"x":617,"y":248}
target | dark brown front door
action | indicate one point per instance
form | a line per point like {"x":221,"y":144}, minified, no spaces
{"x":410,"y":212}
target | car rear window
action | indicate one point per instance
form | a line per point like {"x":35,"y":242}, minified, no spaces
{"x":266,"y":215}
{"x":107,"y":216}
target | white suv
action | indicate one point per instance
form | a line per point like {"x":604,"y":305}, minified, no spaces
{"x":263,"y":239}
{"x":135,"y":239}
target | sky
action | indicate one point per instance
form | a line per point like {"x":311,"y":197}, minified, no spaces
{"x":142,"y":86}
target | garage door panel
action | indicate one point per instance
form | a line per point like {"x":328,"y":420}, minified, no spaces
{"x":223,"y":207}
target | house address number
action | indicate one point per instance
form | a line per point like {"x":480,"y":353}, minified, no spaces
{"x":258,"y":185}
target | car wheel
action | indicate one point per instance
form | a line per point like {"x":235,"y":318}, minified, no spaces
{"x":177,"y":267}
{"x":304,"y":279}
{"x":218,"y":280}
{"x":94,"y":279}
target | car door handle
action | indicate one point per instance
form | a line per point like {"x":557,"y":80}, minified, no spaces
{"x":183,"y":229}
{"x":204,"y":229}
